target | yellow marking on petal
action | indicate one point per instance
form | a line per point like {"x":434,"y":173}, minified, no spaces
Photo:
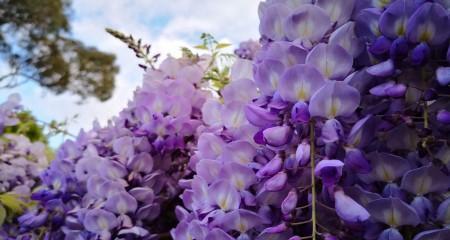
{"x":334,"y":108}
{"x":216,"y":148}
{"x":274,"y":80}
{"x":385,"y":173}
{"x":278,"y":27}
{"x":223,"y":204}
{"x":242,"y":227}
{"x":423,"y":185}
{"x":122,"y":207}
{"x":400,"y":27}
{"x":426,"y":32}
{"x":102,"y":223}
{"x":238,"y":183}
{"x":57,"y":184}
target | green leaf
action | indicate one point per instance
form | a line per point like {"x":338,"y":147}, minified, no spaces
{"x":201,"y":46}
{"x":12,"y":202}
{"x":2,"y":215}
{"x":222,"y":45}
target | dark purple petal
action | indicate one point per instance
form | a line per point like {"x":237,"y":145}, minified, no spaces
{"x":423,"y":206}
{"x":425,"y":24}
{"x":390,"y":234}
{"x":443,"y":211}
{"x":425,"y":180}
{"x":362,"y":132}
{"x":355,"y":159}
{"x":420,"y":54}
{"x":329,"y":171}
{"x":366,"y":25}
{"x":393,"y":212}
{"x":399,"y":48}
{"x":218,"y":234}
{"x":394,"y":18}
{"x":443,"y":116}
{"x":436,"y":234}
{"x":332,"y":131}
{"x":300,"y":112}
{"x":387,"y":167}
{"x":380,"y":46}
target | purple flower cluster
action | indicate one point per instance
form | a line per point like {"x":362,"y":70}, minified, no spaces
{"x":346,"y":138}
{"x":121,"y":181}
{"x":21,"y":162}
{"x":334,"y":126}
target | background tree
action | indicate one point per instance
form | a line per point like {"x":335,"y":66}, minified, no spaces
{"x":35,"y":41}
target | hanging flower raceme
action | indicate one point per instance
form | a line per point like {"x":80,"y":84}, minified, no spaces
{"x":21,"y":161}
{"x":121,"y":181}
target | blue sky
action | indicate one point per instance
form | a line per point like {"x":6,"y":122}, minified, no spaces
{"x":166,"y":24}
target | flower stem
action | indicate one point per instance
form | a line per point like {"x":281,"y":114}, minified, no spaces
{"x":425,"y":114}
{"x":313,"y":180}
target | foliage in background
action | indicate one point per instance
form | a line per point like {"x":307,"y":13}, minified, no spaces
{"x":35,"y":41}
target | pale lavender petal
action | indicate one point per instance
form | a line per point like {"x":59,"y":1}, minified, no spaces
{"x":307,"y":23}
{"x":240,"y":176}
{"x":276,"y":183}
{"x":272,"y":22}
{"x":121,"y":203}
{"x":348,"y":209}
{"x":333,"y":100}
{"x":224,"y":195}
{"x":99,"y":221}
{"x":339,"y":11}
{"x":277,"y":136}
{"x":383,"y":69}
{"x":267,"y":75}
{"x":290,"y":202}
{"x":443,"y":75}
{"x":333,"y":61}
{"x":260,"y":117}
{"x":210,"y":146}
{"x":345,"y":37}
{"x":300,"y":82}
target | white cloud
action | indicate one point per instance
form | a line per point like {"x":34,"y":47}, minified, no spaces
{"x":167,"y":24}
